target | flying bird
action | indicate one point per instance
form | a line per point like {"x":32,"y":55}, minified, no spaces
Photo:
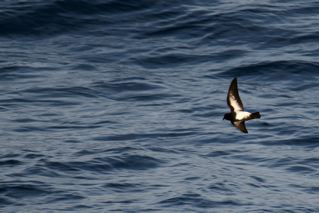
{"x":237,"y":116}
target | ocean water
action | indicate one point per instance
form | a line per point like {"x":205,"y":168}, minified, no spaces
{"x":117,"y":106}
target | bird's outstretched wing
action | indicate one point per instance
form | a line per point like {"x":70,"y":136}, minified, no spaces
{"x":233,"y":99}
{"x":240,"y":125}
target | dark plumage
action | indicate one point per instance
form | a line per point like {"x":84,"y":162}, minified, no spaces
{"x":237,"y":116}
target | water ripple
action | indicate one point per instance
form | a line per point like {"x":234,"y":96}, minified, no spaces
{"x":118,"y":105}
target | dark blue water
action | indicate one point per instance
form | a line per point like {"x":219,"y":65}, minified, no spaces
{"x":118,"y":105}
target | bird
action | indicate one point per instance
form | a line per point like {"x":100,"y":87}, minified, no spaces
{"x":237,"y":116}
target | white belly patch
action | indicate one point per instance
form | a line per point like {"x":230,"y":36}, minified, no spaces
{"x":242,"y":115}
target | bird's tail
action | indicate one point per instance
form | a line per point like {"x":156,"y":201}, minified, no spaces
{"x":255,"y":115}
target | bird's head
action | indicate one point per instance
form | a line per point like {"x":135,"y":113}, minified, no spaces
{"x":227,"y":116}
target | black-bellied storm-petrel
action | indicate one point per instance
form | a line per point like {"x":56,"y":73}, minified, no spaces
{"x":237,"y":116}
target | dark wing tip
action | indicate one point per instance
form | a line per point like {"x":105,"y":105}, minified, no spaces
{"x":234,"y":83}
{"x":243,"y":129}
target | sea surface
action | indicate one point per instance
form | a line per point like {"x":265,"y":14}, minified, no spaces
{"x":117,"y":106}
